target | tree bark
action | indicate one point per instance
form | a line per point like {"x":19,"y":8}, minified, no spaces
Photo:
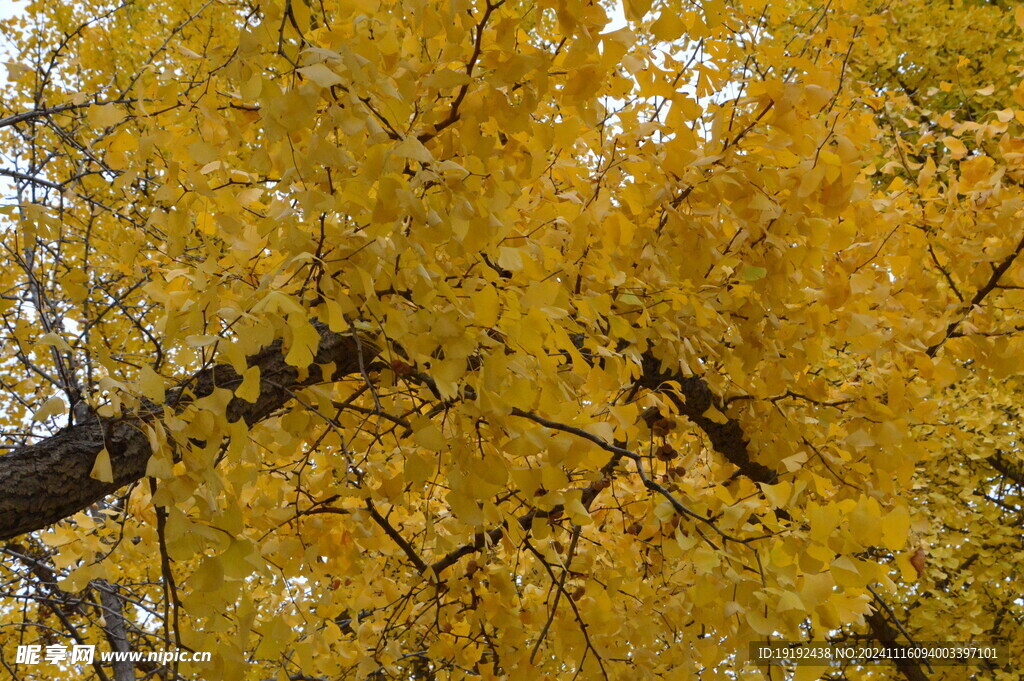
{"x":888,"y":635}
{"x":728,"y":438}
{"x":49,"y":480}
{"x":114,"y":628}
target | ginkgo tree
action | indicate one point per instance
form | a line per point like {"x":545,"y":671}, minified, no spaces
{"x":510,"y":340}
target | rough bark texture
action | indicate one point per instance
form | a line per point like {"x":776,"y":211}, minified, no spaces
{"x":728,"y":439}
{"x":887,"y":634}
{"x":49,"y":480}
{"x":117,"y":636}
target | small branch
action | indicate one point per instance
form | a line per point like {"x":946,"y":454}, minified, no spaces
{"x":397,"y":538}
{"x":984,"y":290}
{"x":638,"y":461}
{"x":453,"y":112}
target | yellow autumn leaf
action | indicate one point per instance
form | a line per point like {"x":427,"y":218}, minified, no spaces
{"x":955,"y":146}
{"x":713,"y":414}
{"x":209,"y":577}
{"x":895,"y":528}
{"x":428,"y":435}
{"x":249,"y":389}
{"x":54,"y":406}
{"x":446,"y":78}
{"x":411,"y":148}
{"x":151,"y":384}
{"x":486,"y":306}
{"x":321,"y":74}
{"x":304,"y":342}
{"x":101,"y":469}
{"x":907,"y":571}
{"x":105,"y":115}
{"x":778,"y":495}
{"x":55,"y":340}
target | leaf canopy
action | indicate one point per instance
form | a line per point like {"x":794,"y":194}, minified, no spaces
{"x":510,"y":340}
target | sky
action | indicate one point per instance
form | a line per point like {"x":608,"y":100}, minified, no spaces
{"x":8,"y":8}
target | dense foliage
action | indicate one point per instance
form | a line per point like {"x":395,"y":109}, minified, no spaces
{"x":393,"y":339}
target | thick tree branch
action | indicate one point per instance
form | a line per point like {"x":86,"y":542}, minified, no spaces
{"x":49,"y":480}
{"x":114,"y":628}
{"x":886,"y":634}
{"x":693,"y":400}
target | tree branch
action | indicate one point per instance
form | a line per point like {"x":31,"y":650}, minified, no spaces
{"x":49,"y":480}
{"x":113,"y":627}
{"x":693,"y":400}
{"x":886,"y":634}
